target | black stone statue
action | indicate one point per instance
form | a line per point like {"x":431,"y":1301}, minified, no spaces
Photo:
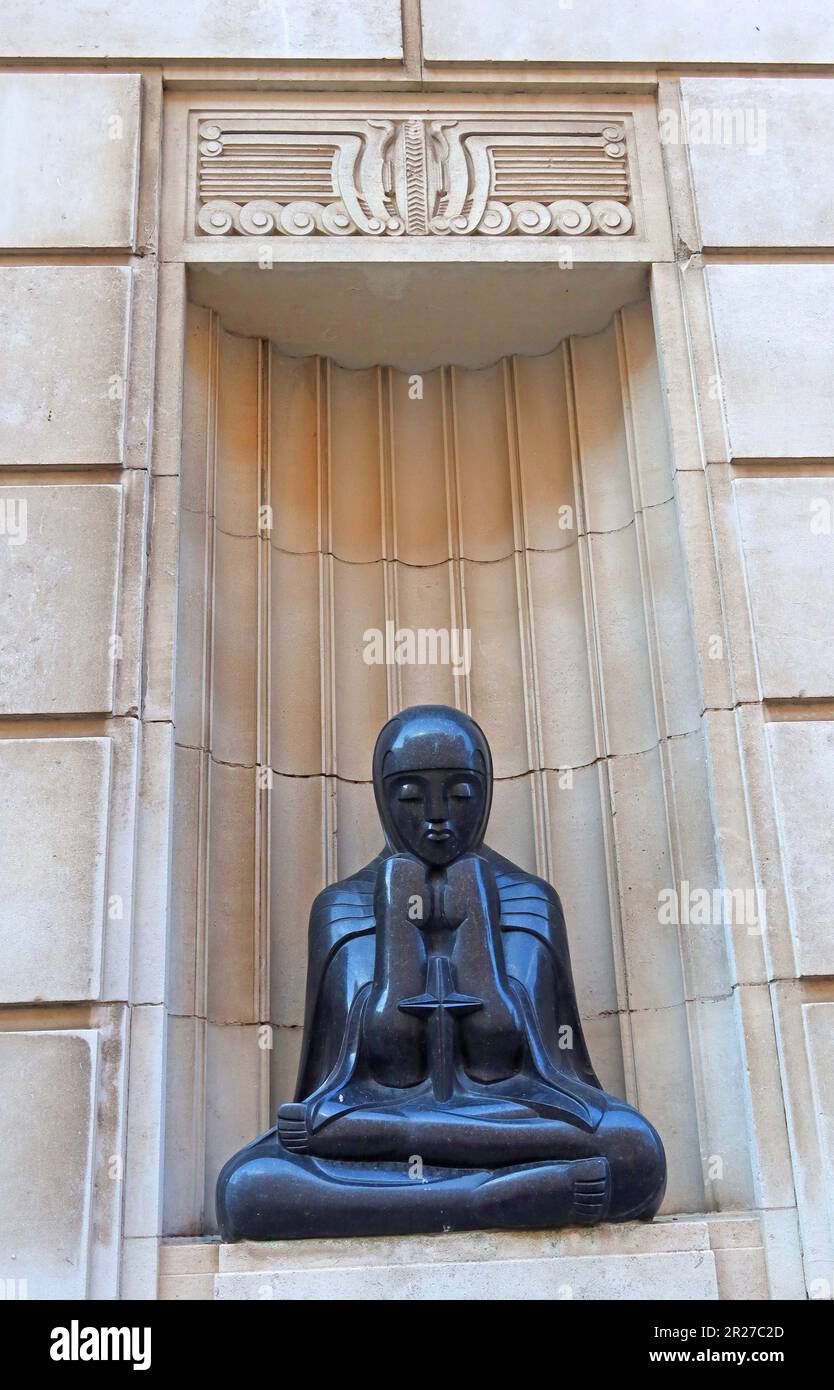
{"x":444,"y":1080}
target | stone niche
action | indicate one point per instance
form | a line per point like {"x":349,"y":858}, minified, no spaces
{"x":426,"y":426}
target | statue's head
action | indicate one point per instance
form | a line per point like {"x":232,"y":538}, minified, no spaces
{"x":433,"y":783}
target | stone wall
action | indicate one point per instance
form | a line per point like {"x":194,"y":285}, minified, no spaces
{"x":92,"y":319}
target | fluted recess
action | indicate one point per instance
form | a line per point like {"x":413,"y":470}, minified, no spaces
{"x":530,"y":502}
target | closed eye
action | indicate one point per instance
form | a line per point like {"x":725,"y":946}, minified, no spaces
{"x":461,"y":791}
{"x":409,"y":791}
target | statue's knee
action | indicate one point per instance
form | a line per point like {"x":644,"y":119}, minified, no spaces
{"x":638,"y":1163}
{"x":235,"y":1193}
{"x":260,"y":1197}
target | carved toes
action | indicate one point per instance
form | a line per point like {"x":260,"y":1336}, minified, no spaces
{"x":292,"y":1127}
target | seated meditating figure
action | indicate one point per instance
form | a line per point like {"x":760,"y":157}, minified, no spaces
{"x":444,"y":1080}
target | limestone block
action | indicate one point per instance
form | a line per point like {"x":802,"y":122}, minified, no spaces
{"x":184,"y":1122}
{"x":500,"y":665}
{"x":512,"y":821}
{"x":235,"y":648}
{"x":703,"y":944}
{"x":233,"y":29}
{"x":522,"y":31}
{"x":161,"y":613}
{"x":625,"y":666}
{"x":140,"y":1269}
{"x":187,"y":1269}
{"x":294,"y":386}
{"x":560,"y":644}
{"x":297,"y":874}
{"x":576,"y":826}
{"x":633,"y":1277}
{"x":64,"y":368}
{"x":152,"y":866}
{"x":665,"y":1094}
{"x":802,"y":755}
{"x":722,"y":1140}
{"x":60,"y":587}
{"x":188,"y":853}
{"x":49,"y":1087}
{"x":801,"y":1036}
{"x":769,"y":1150}
{"x":818,"y":1020}
{"x":354,"y":525}
{"x":774,"y":339}
{"x":665,"y":1260}
{"x":724,"y":629}
{"x":230,"y":929}
{"x":601,"y":432}
{"x":237,"y":1098}
{"x":645,"y":869}
{"x":748,"y":145}
{"x":117,"y":963}
{"x":785,"y":1255}
{"x":420,"y":504}
{"x":603,"y":1035}
{"x":145,"y":1122}
{"x":486,"y":503}
{"x":787,"y":527}
{"x":132,"y":674}
{"x":649,"y":432}
{"x":236,"y":486}
{"x":192,"y":649}
{"x":284,"y":1058}
{"x":69,"y":147}
{"x":356,"y":692}
{"x":676,"y":680}
{"x":359,"y":837}
{"x":296,"y":658}
{"x":54,"y":795}
{"x":425,"y":598}
{"x":737,"y":1243}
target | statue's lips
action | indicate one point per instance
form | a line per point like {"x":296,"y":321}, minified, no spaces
{"x":437,"y":836}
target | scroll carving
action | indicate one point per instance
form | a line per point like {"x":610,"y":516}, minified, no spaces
{"x":324,"y":175}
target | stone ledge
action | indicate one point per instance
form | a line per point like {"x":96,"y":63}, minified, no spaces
{"x":712,"y":1257}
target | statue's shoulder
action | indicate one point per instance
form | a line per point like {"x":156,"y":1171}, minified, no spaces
{"x":522,"y":892}
{"x":348,"y":904}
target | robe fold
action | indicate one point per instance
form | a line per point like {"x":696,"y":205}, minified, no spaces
{"x":341,"y":965}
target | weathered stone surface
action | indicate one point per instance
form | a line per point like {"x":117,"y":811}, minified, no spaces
{"x":64,"y":365}
{"x":145,"y":1125}
{"x":775,"y":340}
{"x":803,"y":769}
{"x":46,"y":1159}
{"x":593,"y":32}
{"x":818,"y":1020}
{"x":189,"y":1268}
{"x":69,"y":146}
{"x":749,"y":141}
{"x":787,"y":527}
{"x":203,"y":29}
{"x":53,"y":911}
{"x":666,"y":1260}
{"x":59,"y":589}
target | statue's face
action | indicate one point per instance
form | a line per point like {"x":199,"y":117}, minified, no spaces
{"x":437,"y":813}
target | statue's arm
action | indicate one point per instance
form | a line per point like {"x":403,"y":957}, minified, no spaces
{"x":537,"y":955}
{"x":339,"y":963}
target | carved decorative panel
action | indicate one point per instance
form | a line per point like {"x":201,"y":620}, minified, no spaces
{"x":324,"y":174}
